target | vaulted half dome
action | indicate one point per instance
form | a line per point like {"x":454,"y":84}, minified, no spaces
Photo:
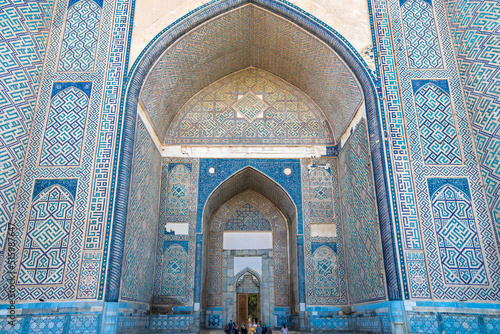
{"x":250,"y":36}
{"x":249,"y":107}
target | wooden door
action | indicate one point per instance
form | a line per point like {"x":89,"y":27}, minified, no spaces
{"x":242,"y":309}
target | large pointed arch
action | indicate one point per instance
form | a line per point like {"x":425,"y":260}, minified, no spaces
{"x":332,"y":39}
{"x":250,"y":179}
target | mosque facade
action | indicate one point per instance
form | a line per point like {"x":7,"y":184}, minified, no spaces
{"x":169,"y":166}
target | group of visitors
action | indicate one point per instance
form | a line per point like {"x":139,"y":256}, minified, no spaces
{"x":259,"y":328}
{"x":232,"y":328}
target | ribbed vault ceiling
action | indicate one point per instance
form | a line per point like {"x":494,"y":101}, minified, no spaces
{"x":250,"y":37}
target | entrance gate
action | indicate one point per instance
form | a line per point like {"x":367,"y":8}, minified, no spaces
{"x":248,"y":255}
{"x":248,"y":308}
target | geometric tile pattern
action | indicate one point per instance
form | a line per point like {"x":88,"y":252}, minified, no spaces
{"x":436,"y":124}
{"x":414,"y":225}
{"x":214,"y":321}
{"x":89,"y":275}
{"x":492,"y":324}
{"x":178,"y":191}
{"x":333,"y":323}
{"x":229,"y":211}
{"x":320,"y":184}
{"x":319,"y":175}
{"x":23,"y":33}
{"x":372,"y":323}
{"x":180,"y":288}
{"x":419,"y":284}
{"x":65,"y":128}
{"x":46,"y":245}
{"x":404,"y":202}
{"x":132,"y":323}
{"x":475,"y":26}
{"x":227,"y":44}
{"x":249,"y":107}
{"x":461,"y":324}
{"x":247,"y":218}
{"x":422,"y":39}
{"x":6,"y":325}
{"x":80,"y":36}
{"x":459,"y":246}
{"x":107,"y":80}
{"x":85,"y":323}
{"x":90,"y":229}
{"x":51,"y":324}
{"x":143,"y":217}
{"x":174,"y":272}
{"x":360,"y":219}
{"x":425,"y":324}
{"x":170,"y":322}
{"x":325,"y":272}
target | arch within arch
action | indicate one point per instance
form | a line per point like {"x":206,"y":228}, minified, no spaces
{"x":214,"y":261}
{"x":452,"y":212}
{"x":47,"y":238}
{"x":325,"y":274}
{"x":152,"y":53}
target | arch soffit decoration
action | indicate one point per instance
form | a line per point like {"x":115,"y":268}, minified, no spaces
{"x":249,"y":35}
{"x":157,"y":46}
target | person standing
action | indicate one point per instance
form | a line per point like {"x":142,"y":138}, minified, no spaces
{"x":264,"y":329}
{"x":284,"y":330}
{"x":229,"y":327}
{"x":243,"y":329}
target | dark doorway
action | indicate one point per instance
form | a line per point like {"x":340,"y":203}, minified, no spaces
{"x":248,"y":308}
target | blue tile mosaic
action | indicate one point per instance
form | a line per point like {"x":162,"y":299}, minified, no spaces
{"x":74,"y":132}
{"x":179,"y":188}
{"x":360,"y":220}
{"x":415,"y":225}
{"x":80,"y":36}
{"x":77,"y":323}
{"x":273,"y":169}
{"x":143,"y":217}
{"x":70,"y":170}
{"x":24,"y":30}
{"x":474,"y":27}
{"x":244,"y":29}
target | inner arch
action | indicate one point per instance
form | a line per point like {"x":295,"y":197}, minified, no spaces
{"x":251,"y":106}
{"x":275,"y":263}
{"x":251,"y":182}
{"x":250,"y":179}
